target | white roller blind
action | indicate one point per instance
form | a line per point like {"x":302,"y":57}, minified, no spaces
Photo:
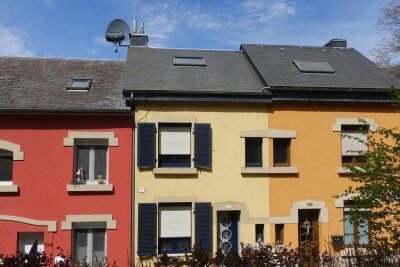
{"x":175,"y":221}
{"x":351,"y":143}
{"x":174,"y":140}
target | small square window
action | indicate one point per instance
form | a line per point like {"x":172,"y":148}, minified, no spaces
{"x":79,"y":84}
{"x":92,"y":160}
{"x":6,"y":166}
{"x":175,"y":224}
{"x":174,"y":145}
{"x":253,"y":152}
{"x":89,"y":245}
{"x":281,"y":152}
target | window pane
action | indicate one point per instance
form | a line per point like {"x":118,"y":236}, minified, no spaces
{"x":348,"y":230}
{"x":174,"y":140}
{"x":99,"y":241}
{"x":175,"y":221}
{"x":281,"y":150}
{"x":6,"y":168}
{"x":183,"y":244}
{"x":363,"y":233}
{"x":253,"y":152}
{"x":82,"y":160}
{"x":81,"y":245}
{"x":100,"y":162}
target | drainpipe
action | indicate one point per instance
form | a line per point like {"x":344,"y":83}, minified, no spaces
{"x":133,"y":185}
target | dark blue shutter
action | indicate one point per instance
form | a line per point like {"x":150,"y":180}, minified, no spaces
{"x":146,"y":145}
{"x":147,"y":229}
{"x":203,"y":225}
{"x":202,"y":145}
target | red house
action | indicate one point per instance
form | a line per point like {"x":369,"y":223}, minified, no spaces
{"x":65,"y":158}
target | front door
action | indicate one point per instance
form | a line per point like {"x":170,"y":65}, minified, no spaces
{"x":228,"y":230}
{"x":308,"y":229}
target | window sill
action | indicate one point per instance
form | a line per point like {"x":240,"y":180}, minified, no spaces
{"x":345,"y":170}
{"x":272,"y":170}
{"x":90,"y":188}
{"x":9,"y":188}
{"x":175,"y":171}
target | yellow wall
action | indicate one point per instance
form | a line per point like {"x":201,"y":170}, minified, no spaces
{"x":224,"y":183}
{"x":317,"y":153}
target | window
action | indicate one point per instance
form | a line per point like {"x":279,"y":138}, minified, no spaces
{"x":92,"y":160}
{"x":89,"y":245}
{"x":354,"y":231}
{"x":281,"y":152}
{"x":354,"y":144}
{"x":313,"y":66}
{"x":79,"y":84}
{"x":188,"y":61}
{"x":174,"y":145}
{"x":6,"y":166}
{"x":253,"y":152}
{"x":279,"y":229}
{"x":259,"y":233}
{"x":27,"y":239}
{"x":175,"y":224}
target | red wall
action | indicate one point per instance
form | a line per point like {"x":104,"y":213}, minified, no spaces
{"x":46,"y":170}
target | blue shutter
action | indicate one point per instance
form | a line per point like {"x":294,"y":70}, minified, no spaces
{"x":146,"y":145}
{"x":203,"y":225}
{"x":202,"y":145}
{"x":147,"y":229}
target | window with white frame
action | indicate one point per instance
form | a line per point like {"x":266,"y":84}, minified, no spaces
{"x":26,"y":240}
{"x":89,"y":245}
{"x":175,"y":224}
{"x":6,"y":166}
{"x":354,"y":144}
{"x":91,"y":160}
{"x":355,"y":230}
{"x":174,"y":145}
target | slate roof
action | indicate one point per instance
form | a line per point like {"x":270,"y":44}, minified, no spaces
{"x":39,"y":84}
{"x":352,"y":70}
{"x":152,"y":70}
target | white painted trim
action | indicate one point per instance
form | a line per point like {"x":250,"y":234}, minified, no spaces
{"x":191,"y":120}
{"x":339,"y":202}
{"x":70,"y":140}
{"x":14,"y":148}
{"x":344,"y":170}
{"x":304,"y":204}
{"x":10,"y":188}
{"x":70,"y":219}
{"x":175,"y":170}
{"x":268,"y":133}
{"x":337,"y":126}
{"x":51,"y":225}
{"x":94,"y":187}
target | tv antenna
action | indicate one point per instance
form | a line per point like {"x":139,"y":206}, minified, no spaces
{"x":117,"y":32}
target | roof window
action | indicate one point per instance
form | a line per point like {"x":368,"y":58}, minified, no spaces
{"x":188,"y":61}
{"x":79,"y":84}
{"x":313,"y":66}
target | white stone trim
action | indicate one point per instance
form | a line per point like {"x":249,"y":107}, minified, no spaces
{"x":51,"y":225}
{"x":90,"y":188}
{"x":268,"y":133}
{"x":337,"y":126}
{"x":70,"y":219}
{"x":175,"y":120}
{"x":339,"y":202}
{"x":10,"y":188}
{"x":304,"y":204}
{"x":14,"y":148}
{"x":191,"y":171}
{"x":72,"y":135}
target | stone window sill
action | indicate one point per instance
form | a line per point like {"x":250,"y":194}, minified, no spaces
{"x":344,"y":170}
{"x":90,"y":188}
{"x":175,"y":171}
{"x":9,"y":188}
{"x":272,"y":170}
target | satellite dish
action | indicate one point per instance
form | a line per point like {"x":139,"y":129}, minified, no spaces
{"x":117,"y":31}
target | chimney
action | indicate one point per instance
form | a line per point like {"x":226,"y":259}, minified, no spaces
{"x":138,"y":38}
{"x":336,"y":43}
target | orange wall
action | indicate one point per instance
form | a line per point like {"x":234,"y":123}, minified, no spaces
{"x":317,"y":153}
{"x":46,"y":170}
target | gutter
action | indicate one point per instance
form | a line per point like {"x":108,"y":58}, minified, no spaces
{"x":133,"y":192}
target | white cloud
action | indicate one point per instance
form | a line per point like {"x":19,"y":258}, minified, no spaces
{"x":264,"y":11}
{"x":100,"y":40}
{"x":14,"y":42}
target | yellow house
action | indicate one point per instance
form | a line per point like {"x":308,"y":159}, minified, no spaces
{"x":245,"y":146}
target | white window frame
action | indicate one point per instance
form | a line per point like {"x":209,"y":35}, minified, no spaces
{"x":91,"y":175}
{"x":89,"y":245}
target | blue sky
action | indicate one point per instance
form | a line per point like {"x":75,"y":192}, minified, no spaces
{"x":75,"y":29}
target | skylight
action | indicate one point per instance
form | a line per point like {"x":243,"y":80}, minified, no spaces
{"x":79,"y":84}
{"x":313,"y":66}
{"x":188,"y":61}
